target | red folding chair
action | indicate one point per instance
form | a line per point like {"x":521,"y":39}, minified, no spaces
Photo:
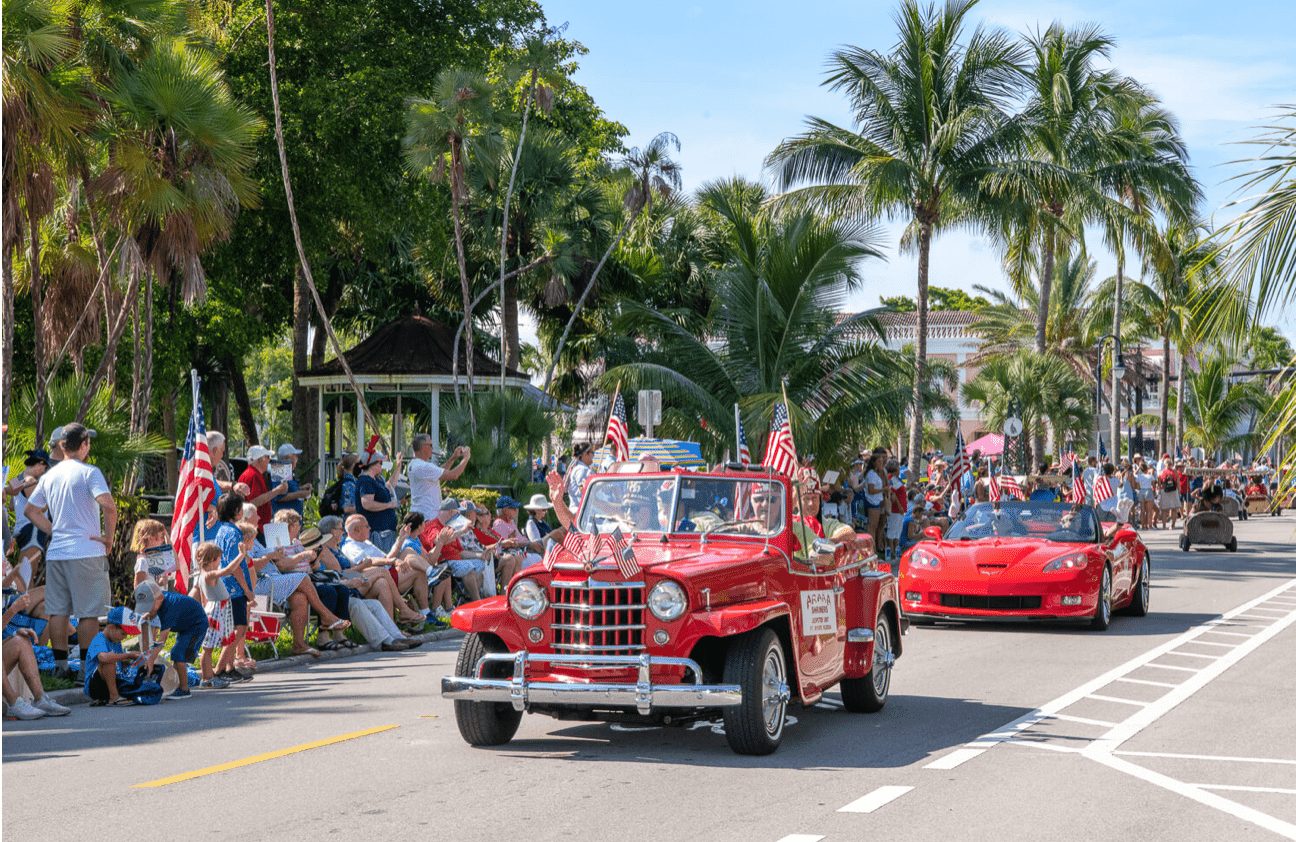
{"x":264,"y":622}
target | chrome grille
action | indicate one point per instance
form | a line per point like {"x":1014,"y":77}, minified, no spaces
{"x":604,"y":618}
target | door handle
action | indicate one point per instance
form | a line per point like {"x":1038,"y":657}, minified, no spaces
{"x":838,"y":589}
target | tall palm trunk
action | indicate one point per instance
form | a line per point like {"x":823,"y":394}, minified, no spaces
{"x":1114,"y":425}
{"x":243,"y":401}
{"x":456,"y":188}
{"x":1045,"y":287}
{"x":142,"y":387}
{"x":296,"y":229}
{"x":304,"y":422}
{"x":6,"y":328}
{"x":1180,"y":398}
{"x":513,"y":343}
{"x":580,"y":302}
{"x":506,"y":338}
{"x":920,"y":350}
{"x":1164,"y":439}
{"x":38,"y":312}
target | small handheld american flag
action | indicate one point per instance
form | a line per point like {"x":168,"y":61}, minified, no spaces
{"x":1010,"y":487}
{"x":618,"y":430}
{"x":959,"y":464}
{"x":1077,"y":484}
{"x":1102,"y":489}
{"x":619,"y":548}
{"x":780,"y":450}
{"x":995,"y":494}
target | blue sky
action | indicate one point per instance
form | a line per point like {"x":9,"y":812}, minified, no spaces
{"x":731,"y":79}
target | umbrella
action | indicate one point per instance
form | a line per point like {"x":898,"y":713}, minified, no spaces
{"x":991,"y":444}
{"x":669,"y":452}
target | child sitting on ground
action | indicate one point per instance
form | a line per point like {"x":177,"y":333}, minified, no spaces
{"x":148,"y":534}
{"x":175,"y":612}
{"x":216,"y":598}
{"x":104,"y":662}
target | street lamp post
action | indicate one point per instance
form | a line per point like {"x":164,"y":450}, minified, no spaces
{"x":1118,"y":372}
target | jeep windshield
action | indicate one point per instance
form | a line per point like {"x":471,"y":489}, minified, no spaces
{"x":1061,"y":522}
{"x":683,"y":504}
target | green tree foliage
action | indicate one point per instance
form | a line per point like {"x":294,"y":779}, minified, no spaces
{"x":1047,"y":391}
{"x":939,"y":299}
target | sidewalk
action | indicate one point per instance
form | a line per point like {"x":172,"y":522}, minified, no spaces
{"x":74,"y":696}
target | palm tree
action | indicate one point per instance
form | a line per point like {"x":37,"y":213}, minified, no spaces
{"x":444,"y":134}
{"x":930,"y":121}
{"x":1046,"y":390}
{"x":653,"y":173}
{"x":773,"y":323}
{"x":1216,"y":409}
{"x":539,"y":63}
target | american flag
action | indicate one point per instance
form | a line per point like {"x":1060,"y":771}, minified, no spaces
{"x":615,"y":544}
{"x":1077,"y":484}
{"x":1102,"y":489}
{"x":780,"y":451}
{"x":1068,"y":459}
{"x":744,"y":452}
{"x":1011,"y":487}
{"x":618,"y":431}
{"x":194,"y":491}
{"x":959,"y":464}
{"x":995,"y":494}
{"x":572,"y":550}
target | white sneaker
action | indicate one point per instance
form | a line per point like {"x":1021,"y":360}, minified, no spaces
{"x":52,"y":708}
{"x":23,"y":709}
{"x":442,"y":614}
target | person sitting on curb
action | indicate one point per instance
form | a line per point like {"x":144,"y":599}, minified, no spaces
{"x":104,"y":662}
{"x":174,"y":612}
{"x":369,"y":559}
{"x":18,"y":653}
{"x":369,"y":616}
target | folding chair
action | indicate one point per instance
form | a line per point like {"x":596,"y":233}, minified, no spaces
{"x":264,"y":622}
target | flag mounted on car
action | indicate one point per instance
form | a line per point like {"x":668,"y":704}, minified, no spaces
{"x":618,"y":430}
{"x":780,"y":450}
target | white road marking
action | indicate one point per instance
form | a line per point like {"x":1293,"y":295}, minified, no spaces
{"x":1220,"y":757}
{"x":1231,"y":788}
{"x":1194,"y":654}
{"x":1170,"y":666}
{"x":801,"y":837}
{"x":1201,"y":796}
{"x":1230,"y":634}
{"x":954,"y":758}
{"x":875,"y":800}
{"x":1066,"y":717}
{"x":1118,"y":701}
{"x":1147,"y":682}
{"x":1278,"y":611}
{"x":1209,"y":643}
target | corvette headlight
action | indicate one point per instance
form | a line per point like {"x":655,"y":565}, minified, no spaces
{"x":1071,"y":561}
{"x":667,"y":601}
{"x":923,"y":560}
{"x":527,"y":599}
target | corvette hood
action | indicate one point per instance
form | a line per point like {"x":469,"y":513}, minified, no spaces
{"x":997,"y":552}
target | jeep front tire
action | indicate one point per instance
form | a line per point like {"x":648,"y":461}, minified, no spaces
{"x":482,"y":723}
{"x":757,"y":663}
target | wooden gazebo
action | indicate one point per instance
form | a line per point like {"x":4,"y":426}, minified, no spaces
{"x":403,"y":368}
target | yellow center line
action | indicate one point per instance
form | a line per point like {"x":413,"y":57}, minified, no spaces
{"x":260,"y":758}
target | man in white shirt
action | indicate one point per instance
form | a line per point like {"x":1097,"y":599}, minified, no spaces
{"x":425,"y":475}
{"x":67,"y":504}
{"x":582,"y":458}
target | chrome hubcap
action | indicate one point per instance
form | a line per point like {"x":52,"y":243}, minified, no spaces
{"x":883,"y":658}
{"x":1104,"y":595}
{"x":1145,"y":587}
{"x":774,"y":691}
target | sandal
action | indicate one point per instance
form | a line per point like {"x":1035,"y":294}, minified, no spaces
{"x":119,"y":702}
{"x":309,"y":650}
{"x":340,"y":625}
{"x":330,"y":646}
{"x":348,"y":644}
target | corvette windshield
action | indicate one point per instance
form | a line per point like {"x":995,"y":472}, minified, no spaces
{"x":1047,"y":521}
{"x":683,"y":503}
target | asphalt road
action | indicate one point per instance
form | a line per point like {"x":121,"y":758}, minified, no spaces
{"x":1176,"y":726}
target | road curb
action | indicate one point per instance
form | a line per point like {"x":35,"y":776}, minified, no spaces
{"x":74,"y":696}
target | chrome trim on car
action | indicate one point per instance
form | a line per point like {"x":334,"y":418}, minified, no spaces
{"x":643,"y":695}
{"x":583,"y":627}
{"x":586,"y":647}
{"x":859,"y":636}
{"x":570,"y":606}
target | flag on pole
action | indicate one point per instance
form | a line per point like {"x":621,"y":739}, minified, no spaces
{"x":1010,"y":487}
{"x":1077,"y":484}
{"x":744,"y":452}
{"x":194,"y":491}
{"x":995,"y":493}
{"x":1102,"y":489}
{"x":960,"y":464}
{"x":1102,"y":449}
{"x":618,"y":430}
{"x":1068,"y":459}
{"x":780,"y":452}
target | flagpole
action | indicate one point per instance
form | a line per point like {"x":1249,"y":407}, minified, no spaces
{"x":737,"y":426}
{"x":796,"y":478}
{"x":193,"y":419}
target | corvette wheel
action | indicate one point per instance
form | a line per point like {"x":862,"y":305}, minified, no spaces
{"x":1102,"y":614}
{"x":869,"y":694}
{"x":1142,"y":597}
{"x":756,"y":663}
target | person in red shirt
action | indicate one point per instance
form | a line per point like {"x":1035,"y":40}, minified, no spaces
{"x":899,"y":506}
{"x":254,"y":477}
{"x":1169,"y":501}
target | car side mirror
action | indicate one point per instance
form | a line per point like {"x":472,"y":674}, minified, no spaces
{"x":932,"y":532}
{"x":824,"y":547}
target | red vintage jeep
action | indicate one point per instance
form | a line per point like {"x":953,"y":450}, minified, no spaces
{"x":733,"y":609}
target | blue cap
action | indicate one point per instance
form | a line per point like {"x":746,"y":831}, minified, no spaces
{"x":506,"y":502}
{"x":117,"y":616}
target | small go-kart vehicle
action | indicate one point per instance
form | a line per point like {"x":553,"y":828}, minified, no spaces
{"x":1256,"y":505}
{"x":1208,"y":528}
{"x":1232,"y":508}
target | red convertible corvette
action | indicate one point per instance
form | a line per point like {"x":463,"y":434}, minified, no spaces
{"x":1027,"y":560}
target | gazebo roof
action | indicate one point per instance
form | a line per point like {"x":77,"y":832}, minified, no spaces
{"x":412,"y":346}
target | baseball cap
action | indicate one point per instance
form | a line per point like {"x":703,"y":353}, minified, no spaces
{"x":506,"y":502}
{"x":117,"y":616}
{"x":374,"y":458}
{"x":469,"y":506}
{"x":256,"y":452}
{"x":74,"y":435}
{"x":581,"y":449}
{"x":36,"y":456}
{"x":287,"y":449}
{"x":145,"y":593}
{"x":449,"y":503}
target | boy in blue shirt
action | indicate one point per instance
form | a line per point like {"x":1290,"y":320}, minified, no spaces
{"x":174,"y":612}
{"x":104,"y":660}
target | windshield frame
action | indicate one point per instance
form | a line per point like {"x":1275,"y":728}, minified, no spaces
{"x":1014,"y":509}
{"x":782,"y":505}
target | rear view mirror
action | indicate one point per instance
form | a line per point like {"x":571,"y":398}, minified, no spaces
{"x":932,"y":532}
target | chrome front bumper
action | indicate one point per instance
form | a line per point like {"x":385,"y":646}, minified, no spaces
{"x":643,"y":695}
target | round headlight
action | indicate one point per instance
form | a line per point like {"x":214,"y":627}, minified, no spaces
{"x":667,"y":601}
{"x":527,"y":599}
